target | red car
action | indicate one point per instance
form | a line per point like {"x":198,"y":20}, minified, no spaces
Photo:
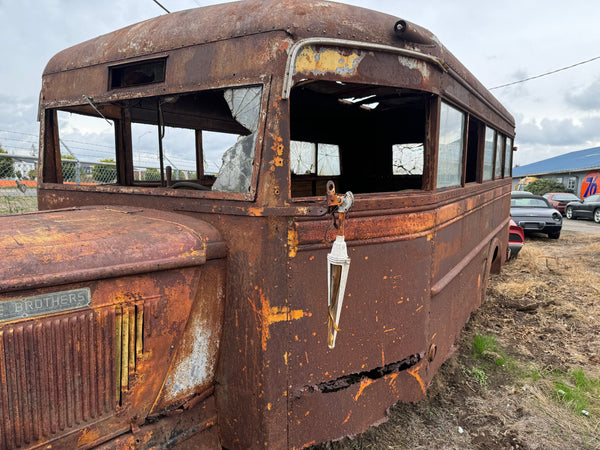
{"x":516,"y":239}
{"x":559,"y":200}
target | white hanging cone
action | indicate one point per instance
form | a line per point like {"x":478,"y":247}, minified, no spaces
{"x":338,"y":264}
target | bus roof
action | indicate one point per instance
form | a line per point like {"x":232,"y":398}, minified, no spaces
{"x":299,"y":20}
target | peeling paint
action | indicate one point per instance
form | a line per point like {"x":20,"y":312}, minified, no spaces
{"x":274,"y":314}
{"x":309,"y":60}
{"x":415,"y":64}
{"x":292,"y":242}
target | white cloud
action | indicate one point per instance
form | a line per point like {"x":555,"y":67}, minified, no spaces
{"x":499,"y":42}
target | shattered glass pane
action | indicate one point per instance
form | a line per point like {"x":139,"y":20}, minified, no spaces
{"x":302,"y":157}
{"x":407,"y":159}
{"x":329,"y":159}
{"x":245,"y":105}
{"x":235,"y":174}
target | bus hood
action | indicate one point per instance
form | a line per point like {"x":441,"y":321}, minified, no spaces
{"x":91,"y":243}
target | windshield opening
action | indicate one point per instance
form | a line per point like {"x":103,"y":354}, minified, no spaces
{"x":201,"y":140}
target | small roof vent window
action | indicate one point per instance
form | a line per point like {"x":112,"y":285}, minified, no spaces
{"x":137,"y":74}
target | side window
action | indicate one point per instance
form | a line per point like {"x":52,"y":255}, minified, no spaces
{"x":488,"y":154}
{"x":452,"y":124}
{"x":508,"y":157}
{"x":499,"y":155}
{"x":87,"y":149}
{"x":308,"y":158}
{"x":407,"y":159}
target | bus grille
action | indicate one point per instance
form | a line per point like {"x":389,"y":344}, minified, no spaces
{"x":55,"y":374}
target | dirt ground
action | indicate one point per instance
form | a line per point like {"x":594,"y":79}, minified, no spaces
{"x":527,"y":374}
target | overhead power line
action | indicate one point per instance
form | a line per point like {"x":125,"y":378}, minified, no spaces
{"x":546,"y":74}
{"x":156,"y":1}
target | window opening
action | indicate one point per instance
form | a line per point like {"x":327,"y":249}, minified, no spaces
{"x":309,"y":158}
{"x":207,"y":138}
{"x":137,"y":74}
{"x":359,"y":135}
{"x":87,"y":149}
{"x":508,"y":157}
{"x":488,"y":154}
{"x":452,"y":124}
{"x":474,"y":141}
{"x":499,"y":155}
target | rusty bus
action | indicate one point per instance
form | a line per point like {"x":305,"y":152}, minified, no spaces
{"x":347,"y":198}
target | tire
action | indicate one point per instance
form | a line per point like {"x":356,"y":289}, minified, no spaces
{"x":597,"y":215}
{"x":569,"y":213}
{"x":554,"y":235}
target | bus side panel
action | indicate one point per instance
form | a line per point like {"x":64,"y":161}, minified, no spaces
{"x":379,"y":356}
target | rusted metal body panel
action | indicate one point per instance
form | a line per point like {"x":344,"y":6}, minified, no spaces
{"x":210,"y":317}
{"x":75,"y":377}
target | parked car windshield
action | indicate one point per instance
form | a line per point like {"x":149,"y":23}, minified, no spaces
{"x":565,"y":197}
{"x":528,"y":202}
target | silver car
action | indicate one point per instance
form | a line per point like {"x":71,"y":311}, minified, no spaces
{"x":534,"y":213}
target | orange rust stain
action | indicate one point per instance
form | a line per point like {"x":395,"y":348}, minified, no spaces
{"x":414,"y":372}
{"x":273,"y":314}
{"x":419,"y":308}
{"x":278,"y":161}
{"x":311,"y":258}
{"x":363,"y":385}
{"x":256,"y":212}
{"x":277,"y":146}
{"x":284,"y":44}
{"x":433,"y":337}
{"x":87,"y":436}
{"x":292,"y":242}
{"x":347,"y":417}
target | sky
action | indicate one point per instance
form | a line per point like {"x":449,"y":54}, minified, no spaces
{"x":499,"y":42}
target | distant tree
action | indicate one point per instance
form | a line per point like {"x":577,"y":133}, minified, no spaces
{"x":32,"y":174}
{"x":542,"y":186}
{"x":7,"y":165}
{"x":105,"y":173}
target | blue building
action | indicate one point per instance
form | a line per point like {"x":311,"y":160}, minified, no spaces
{"x":579,"y":171}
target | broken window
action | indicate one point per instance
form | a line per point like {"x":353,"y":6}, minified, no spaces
{"x":408,"y":159}
{"x":200,"y":140}
{"x":366,"y":138}
{"x":309,"y":158}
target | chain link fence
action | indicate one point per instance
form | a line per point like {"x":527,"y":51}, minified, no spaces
{"x":18,"y":186}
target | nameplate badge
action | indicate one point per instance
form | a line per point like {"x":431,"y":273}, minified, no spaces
{"x":37,"y":305}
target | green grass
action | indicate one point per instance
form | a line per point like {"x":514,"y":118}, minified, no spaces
{"x":573,"y":389}
{"x":577,"y":391}
{"x":17,"y":204}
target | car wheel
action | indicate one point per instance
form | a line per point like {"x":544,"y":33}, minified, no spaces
{"x":597,"y":215}
{"x":569,"y":212}
{"x":554,"y":235}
